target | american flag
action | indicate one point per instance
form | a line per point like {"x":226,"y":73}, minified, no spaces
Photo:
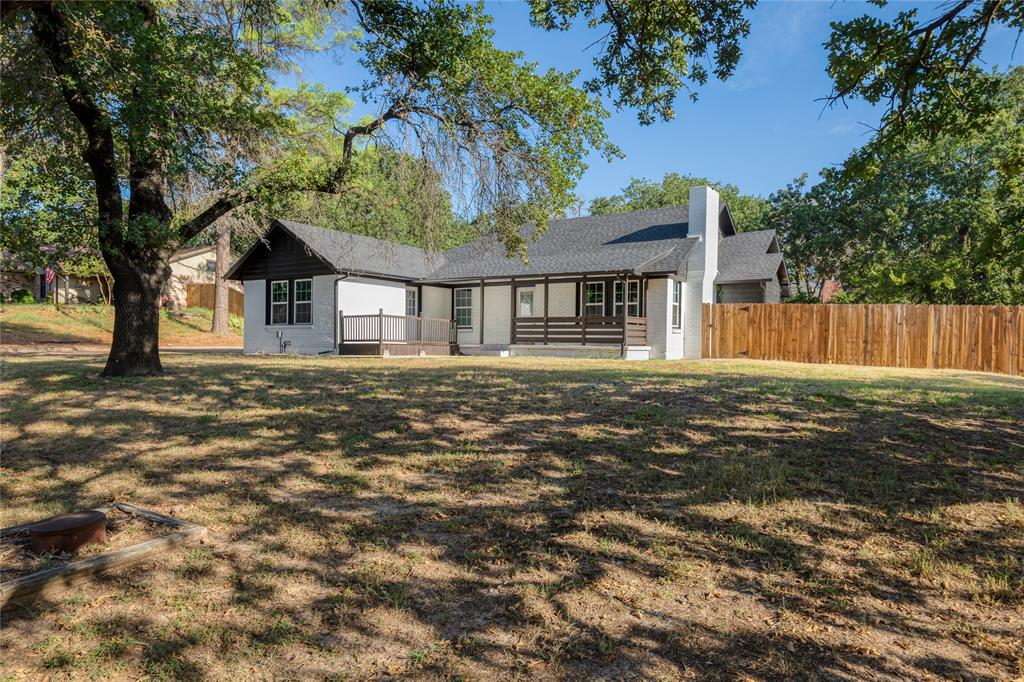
{"x":51,"y":275}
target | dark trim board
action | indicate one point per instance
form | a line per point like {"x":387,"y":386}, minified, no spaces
{"x":397,"y":349}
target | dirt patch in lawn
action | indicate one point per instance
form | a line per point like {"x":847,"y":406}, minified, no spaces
{"x":527,"y":518}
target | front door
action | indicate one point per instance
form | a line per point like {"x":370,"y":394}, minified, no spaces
{"x":526,"y":303}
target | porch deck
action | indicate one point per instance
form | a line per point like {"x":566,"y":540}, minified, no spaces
{"x":387,"y":335}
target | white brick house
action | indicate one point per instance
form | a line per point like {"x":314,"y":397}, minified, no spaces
{"x":624,"y":285}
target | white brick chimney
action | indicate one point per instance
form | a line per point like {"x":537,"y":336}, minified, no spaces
{"x":702,"y":265}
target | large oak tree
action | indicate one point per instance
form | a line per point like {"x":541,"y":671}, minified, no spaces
{"x":171,"y":112}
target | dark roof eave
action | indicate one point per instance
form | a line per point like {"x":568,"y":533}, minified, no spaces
{"x":486,"y":278}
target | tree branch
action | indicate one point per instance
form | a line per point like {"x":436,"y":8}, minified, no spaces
{"x":51,"y":31}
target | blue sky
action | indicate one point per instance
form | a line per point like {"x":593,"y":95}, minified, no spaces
{"x":758,"y":130}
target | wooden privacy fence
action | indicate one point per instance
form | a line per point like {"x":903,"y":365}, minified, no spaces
{"x":200,"y":295}
{"x":973,"y":337}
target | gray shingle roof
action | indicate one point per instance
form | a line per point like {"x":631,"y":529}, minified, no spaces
{"x":641,"y":241}
{"x":652,"y":241}
{"x":744,"y":257}
{"x":355,"y":253}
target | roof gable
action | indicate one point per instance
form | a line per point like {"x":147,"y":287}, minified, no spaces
{"x":750,"y":256}
{"x":325,"y":251}
{"x":279,"y":255}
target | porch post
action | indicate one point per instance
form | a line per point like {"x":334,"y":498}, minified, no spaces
{"x":340,"y":336}
{"x":583,"y":308}
{"x":482,"y":289}
{"x":625,"y":311}
{"x":547,"y":282}
{"x":645,"y":297}
{"x":380,"y":331}
{"x":512,"y":306}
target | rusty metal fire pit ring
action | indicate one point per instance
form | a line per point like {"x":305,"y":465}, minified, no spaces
{"x":68,"y":532}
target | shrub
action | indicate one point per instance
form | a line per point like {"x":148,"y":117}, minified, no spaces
{"x":22,"y":296}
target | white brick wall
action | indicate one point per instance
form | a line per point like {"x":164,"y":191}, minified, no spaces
{"x":562,"y":299}
{"x":362,"y":296}
{"x":666,"y":342}
{"x":692,"y":324}
{"x":472,"y":335}
{"x":702,"y":266}
{"x":658,"y":322}
{"x":356,"y":296}
{"x":437,"y":302}
{"x":260,"y":337}
{"x":496,"y":317}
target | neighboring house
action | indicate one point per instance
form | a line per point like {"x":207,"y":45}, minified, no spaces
{"x":191,"y":266}
{"x":622,"y":285}
{"x":17,"y":274}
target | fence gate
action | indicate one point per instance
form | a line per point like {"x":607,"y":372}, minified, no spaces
{"x":971,"y":337}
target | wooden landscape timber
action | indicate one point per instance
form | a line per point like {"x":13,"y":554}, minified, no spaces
{"x":51,"y":580}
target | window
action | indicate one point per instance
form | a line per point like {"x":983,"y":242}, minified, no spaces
{"x":677,"y":304}
{"x":411,"y":309}
{"x":464,"y":308}
{"x":594,"y":299}
{"x":279,"y":302}
{"x":526,"y":303}
{"x":211,"y":266}
{"x":634,"y":298}
{"x":303,"y":301}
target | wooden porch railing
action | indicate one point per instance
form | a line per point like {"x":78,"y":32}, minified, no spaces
{"x":381,"y":328}
{"x":582,"y":330}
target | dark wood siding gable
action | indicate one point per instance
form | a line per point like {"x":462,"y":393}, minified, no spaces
{"x":287,"y":258}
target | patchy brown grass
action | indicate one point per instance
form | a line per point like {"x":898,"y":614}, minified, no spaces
{"x":524,"y":518}
{"x":43,"y":323}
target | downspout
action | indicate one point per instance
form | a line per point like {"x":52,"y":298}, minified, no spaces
{"x":334,"y":314}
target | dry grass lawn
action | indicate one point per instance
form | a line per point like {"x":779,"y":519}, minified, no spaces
{"x":33,"y":324}
{"x":529,"y":519}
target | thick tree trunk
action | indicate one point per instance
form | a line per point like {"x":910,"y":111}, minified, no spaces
{"x":220,"y":288}
{"x":135,"y":350}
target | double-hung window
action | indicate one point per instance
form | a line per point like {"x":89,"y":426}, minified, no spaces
{"x":411,"y":307}
{"x":464,"y":308}
{"x":594,"y":299}
{"x":677,"y":304}
{"x":303,"y":301}
{"x":632,"y":299}
{"x":279,"y":302}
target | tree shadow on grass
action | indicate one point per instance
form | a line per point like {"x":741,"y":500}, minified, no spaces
{"x":615,"y":521}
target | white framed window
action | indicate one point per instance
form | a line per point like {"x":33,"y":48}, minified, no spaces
{"x":633,"y":298}
{"x":677,"y":304}
{"x":593,"y":299}
{"x":211,"y":265}
{"x":464,"y":308}
{"x":412,"y":308}
{"x":526,"y":303}
{"x":279,"y":302}
{"x":303,"y":301}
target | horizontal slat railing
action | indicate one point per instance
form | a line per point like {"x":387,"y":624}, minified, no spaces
{"x":579,"y":330}
{"x":382,"y":328}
